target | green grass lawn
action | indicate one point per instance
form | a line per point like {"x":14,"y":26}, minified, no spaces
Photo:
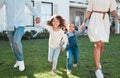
{"x":37,"y":66}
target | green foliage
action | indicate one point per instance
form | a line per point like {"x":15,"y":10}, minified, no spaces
{"x":3,"y":36}
{"x":43,"y":35}
{"x":29,"y":35}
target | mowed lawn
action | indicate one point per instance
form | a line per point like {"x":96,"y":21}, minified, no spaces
{"x":37,"y":65}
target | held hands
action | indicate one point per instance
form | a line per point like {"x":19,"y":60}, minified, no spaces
{"x":37,"y":20}
{"x":82,"y":27}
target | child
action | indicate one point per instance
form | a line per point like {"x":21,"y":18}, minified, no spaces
{"x":54,"y":27}
{"x":72,"y":47}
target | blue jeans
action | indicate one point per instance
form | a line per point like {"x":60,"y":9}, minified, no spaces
{"x":53,"y":56}
{"x":72,"y":53}
{"x":15,"y":42}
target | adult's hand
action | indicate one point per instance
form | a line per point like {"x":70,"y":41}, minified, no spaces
{"x":82,"y":27}
{"x":37,"y":20}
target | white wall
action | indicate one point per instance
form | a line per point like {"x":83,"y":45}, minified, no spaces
{"x":2,"y":18}
{"x":63,"y":8}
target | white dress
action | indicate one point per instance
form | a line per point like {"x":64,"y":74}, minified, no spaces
{"x":99,"y":28}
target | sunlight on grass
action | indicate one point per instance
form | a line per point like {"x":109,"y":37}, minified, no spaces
{"x":21,"y":77}
{"x":49,"y":75}
{"x":60,"y":74}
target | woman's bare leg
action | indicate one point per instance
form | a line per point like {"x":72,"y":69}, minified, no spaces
{"x":102,"y":48}
{"x":97,"y":53}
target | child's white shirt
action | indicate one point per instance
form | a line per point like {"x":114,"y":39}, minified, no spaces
{"x":55,"y":36}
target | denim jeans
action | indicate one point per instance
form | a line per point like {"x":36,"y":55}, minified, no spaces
{"x":53,"y":56}
{"x":72,"y":53}
{"x":15,"y":42}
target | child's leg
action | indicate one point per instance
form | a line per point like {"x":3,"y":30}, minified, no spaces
{"x":69,"y":59}
{"x":55,"y":57}
{"x":50,"y":54}
{"x":75,"y":55}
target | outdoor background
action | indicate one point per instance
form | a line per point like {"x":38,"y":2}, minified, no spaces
{"x":36,"y":53}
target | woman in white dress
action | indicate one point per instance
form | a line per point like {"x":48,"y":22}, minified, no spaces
{"x":99,"y":27}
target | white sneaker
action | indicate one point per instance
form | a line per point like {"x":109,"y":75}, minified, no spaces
{"x":69,"y":72}
{"x":54,"y":71}
{"x":16,"y":64}
{"x":21,"y":66}
{"x":99,"y":74}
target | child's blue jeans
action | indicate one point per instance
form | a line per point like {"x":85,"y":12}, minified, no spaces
{"x":15,"y":42}
{"x":72,"y":53}
{"x":53,"y":55}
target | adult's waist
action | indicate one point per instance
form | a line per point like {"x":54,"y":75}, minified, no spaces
{"x":101,"y":12}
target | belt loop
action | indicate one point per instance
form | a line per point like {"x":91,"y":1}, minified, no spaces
{"x":104,"y":15}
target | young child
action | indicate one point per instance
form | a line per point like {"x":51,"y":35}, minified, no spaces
{"x":55,"y":25}
{"x":72,"y":47}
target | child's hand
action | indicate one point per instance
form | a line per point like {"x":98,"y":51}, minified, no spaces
{"x":37,"y":20}
{"x":62,"y":48}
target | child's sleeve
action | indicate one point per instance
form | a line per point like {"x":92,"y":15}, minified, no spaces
{"x":78,"y":33}
{"x":65,"y":40}
{"x":41,"y":25}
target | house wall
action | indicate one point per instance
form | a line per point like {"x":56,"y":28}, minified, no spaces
{"x":66,"y":8}
{"x":117,"y":25}
{"x":2,"y":18}
{"x":61,"y":8}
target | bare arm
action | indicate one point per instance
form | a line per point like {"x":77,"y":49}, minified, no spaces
{"x":114,"y":13}
{"x":87,"y":16}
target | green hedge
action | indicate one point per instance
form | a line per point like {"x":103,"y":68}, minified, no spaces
{"x":28,"y":35}
{"x":3,"y":36}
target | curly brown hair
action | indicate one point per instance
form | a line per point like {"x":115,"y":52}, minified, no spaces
{"x":58,"y":17}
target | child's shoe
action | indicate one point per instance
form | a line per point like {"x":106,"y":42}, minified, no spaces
{"x":99,"y":73}
{"x":54,"y":71}
{"x":69,"y":72}
{"x":74,"y":65}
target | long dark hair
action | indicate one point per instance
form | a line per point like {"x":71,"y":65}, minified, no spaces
{"x":58,"y":17}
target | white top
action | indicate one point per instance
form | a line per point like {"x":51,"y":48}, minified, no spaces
{"x":15,"y":12}
{"x":106,"y":5}
{"x":99,"y":28}
{"x":55,"y":37}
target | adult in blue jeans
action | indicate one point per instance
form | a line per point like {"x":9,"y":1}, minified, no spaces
{"x":72,"y":48}
{"x":15,"y":15}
